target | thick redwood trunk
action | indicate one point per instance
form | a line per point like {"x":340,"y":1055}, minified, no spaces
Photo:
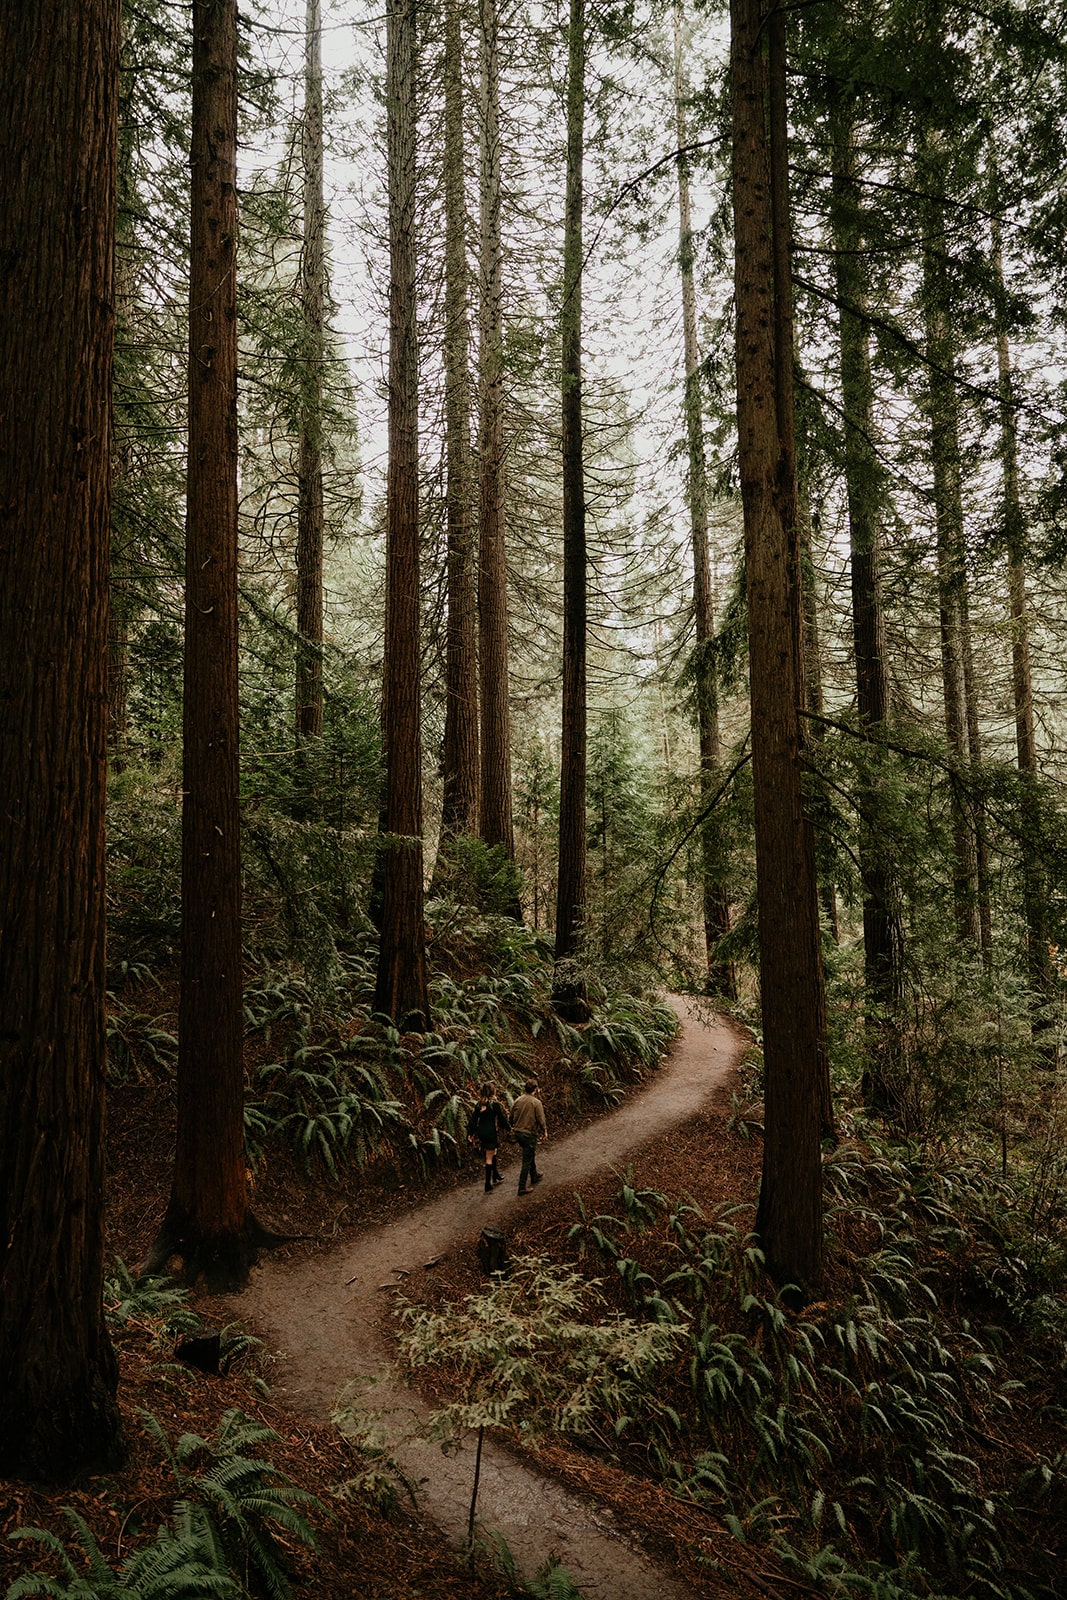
{"x":402,"y":987}
{"x":309,"y":510}
{"x":789,"y":1219}
{"x":716,"y":900}
{"x":207,"y":1222}
{"x":459,"y":759}
{"x":58,"y":85}
{"x":568,"y":993}
{"x":495,"y":819}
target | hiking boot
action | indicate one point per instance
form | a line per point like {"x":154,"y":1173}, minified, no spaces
{"x":535,"y":1177}
{"x":524,"y":1191}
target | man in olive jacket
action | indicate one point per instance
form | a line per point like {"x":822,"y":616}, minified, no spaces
{"x":527,"y":1121}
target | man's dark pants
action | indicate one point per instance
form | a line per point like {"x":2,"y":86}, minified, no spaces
{"x":527,"y":1143}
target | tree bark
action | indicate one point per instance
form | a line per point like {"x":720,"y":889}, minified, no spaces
{"x":716,"y":900}
{"x":402,"y":991}
{"x":568,"y":990}
{"x":495,"y":819}
{"x":788,"y":479}
{"x":882,"y":930}
{"x":459,"y":806}
{"x":789,"y":1219}
{"x":58,"y":109}
{"x":309,"y":509}
{"x":207,"y":1222}
{"x":1034,"y":884}
{"x":948,"y":512}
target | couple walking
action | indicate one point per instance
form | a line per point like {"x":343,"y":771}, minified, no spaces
{"x":489,"y":1121}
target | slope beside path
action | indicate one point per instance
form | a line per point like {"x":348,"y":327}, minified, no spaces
{"x":323,"y":1316}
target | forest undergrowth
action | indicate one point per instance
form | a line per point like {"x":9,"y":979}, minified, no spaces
{"x":346,"y":1117}
{"x":338,"y":1087}
{"x":223,"y":1492}
{"x":904,"y":1435}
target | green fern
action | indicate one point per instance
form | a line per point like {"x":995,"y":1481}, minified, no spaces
{"x":155,"y":1304}
{"x":245,"y":1501}
{"x":226,"y":1539}
{"x":551,"y":1582}
{"x":178,"y":1565}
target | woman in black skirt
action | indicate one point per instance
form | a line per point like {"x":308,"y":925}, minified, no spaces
{"x":488,"y":1121}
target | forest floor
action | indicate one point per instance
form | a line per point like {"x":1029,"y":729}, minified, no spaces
{"x":322,"y":1305}
{"x":329,"y":1315}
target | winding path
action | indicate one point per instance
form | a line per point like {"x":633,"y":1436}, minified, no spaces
{"x":322,"y":1315}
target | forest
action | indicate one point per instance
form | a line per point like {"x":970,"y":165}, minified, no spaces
{"x":532,"y":552}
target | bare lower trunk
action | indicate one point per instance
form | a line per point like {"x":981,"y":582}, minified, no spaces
{"x":788,"y":483}
{"x":58,"y":81}
{"x":716,"y":900}
{"x":402,"y":988}
{"x":568,"y":990}
{"x":459,"y":805}
{"x":789,"y":1219}
{"x":309,"y":536}
{"x":495,"y":820}
{"x":207,"y":1222}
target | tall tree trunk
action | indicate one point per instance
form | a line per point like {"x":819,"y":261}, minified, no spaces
{"x":58,"y":81}
{"x":948,"y":512}
{"x":789,"y":1219}
{"x":1034,"y":886}
{"x":720,"y":974}
{"x":495,"y":820}
{"x":789,"y":491}
{"x":402,"y":991}
{"x":882,"y":931}
{"x":459,"y":806}
{"x":309,"y":512}
{"x":207,"y":1222}
{"x":568,"y":991}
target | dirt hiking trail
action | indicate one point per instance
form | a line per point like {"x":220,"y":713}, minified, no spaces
{"x":324,"y":1317}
